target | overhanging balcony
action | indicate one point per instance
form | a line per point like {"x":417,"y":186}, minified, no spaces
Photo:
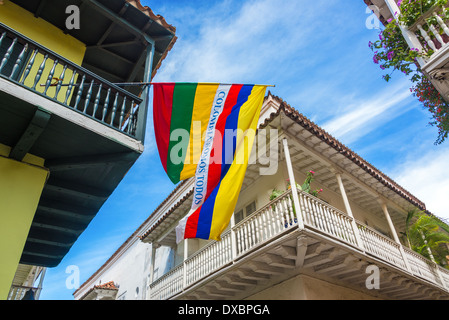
{"x":272,"y":246}
{"x":31,"y":66}
{"x":430,"y":34}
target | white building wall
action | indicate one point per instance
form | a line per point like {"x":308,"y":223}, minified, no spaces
{"x":130,"y":272}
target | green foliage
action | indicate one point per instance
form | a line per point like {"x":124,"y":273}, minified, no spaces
{"x":413,"y":9}
{"x":428,"y":236}
{"x":275,"y":193}
{"x":306,"y":187}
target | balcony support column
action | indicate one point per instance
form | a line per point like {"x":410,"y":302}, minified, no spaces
{"x":233,"y":238}
{"x":142,"y":112}
{"x":291,"y":176}
{"x":390,"y":222}
{"x":154,"y":247}
{"x":395,"y":234}
{"x":184,"y":269}
{"x":349,"y":211}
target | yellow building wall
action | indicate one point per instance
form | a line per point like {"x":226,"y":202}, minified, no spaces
{"x":21,"y":185}
{"x":48,"y":36}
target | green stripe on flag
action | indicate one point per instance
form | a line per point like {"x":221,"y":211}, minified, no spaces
{"x":181,"y":118}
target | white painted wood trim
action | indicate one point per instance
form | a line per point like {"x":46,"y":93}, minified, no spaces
{"x":70,"y":115}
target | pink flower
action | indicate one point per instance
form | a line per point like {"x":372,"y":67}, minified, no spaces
{"x":312,"y":172}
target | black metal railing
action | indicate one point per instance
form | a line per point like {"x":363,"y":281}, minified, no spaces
{"x":44,"y":72}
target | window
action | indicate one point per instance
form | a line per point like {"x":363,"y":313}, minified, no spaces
{"x":245,"y":212}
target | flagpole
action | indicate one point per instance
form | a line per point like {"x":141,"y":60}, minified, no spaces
{"x":129,"y":84}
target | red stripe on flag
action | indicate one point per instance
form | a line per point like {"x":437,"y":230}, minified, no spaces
{"x":162,"y":112}
{"x":192,"y":224}
{"x":215,"y":165}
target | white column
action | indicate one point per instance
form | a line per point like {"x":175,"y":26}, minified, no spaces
{"x":395,"y":235}
{"x":233,"y":238}
{"x":184,"y":269}
{"x":154,"y":246}
{"x":390,"y":222}
{"x":349,"y":211}
{"x":291,"y":176}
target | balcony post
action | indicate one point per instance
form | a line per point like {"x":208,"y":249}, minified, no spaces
{"x":233,"y":239}
{"x":184,"y":269}
{"x":409,"y":36}
{"x":154,"y":247}
{"x":349,"y":211}
{"x":291,"y":176}
{"x":142,"y":112}
{"x":395,"y":235}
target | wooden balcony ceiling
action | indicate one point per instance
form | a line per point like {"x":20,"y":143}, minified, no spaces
{"x":115,"y":33}
{"x":384,"y":11}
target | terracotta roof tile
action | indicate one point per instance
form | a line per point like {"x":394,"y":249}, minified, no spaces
{"x":161,"y":20}
{"x":105,"y":286}
{"x":156,"y":17}
{"x":108,"y":285}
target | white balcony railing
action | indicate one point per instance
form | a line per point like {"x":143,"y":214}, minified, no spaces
{"x":432,"y":30}
{"x":279,"y":217}
{"x":381,"y":246}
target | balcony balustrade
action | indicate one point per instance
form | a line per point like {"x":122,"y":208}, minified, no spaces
{"x":431,"y":31}
{"x":30,"y":65}
{"x":279,"y":217}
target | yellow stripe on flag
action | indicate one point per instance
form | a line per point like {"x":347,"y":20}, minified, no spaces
{"x":231,"y":184}
{"x":204,"y":98}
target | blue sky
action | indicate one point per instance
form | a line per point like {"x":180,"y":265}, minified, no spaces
{"x":317,"y":55}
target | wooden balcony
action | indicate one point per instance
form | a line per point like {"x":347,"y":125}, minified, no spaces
{"x":43,"y":72}
{"x":271,"y":246}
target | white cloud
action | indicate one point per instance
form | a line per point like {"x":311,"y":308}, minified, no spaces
{"x":426,"y":175}
{"x":362,"y":115}
{"x":240,"y":46}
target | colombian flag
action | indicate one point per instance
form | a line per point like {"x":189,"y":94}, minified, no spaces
{"x":206,"y":131}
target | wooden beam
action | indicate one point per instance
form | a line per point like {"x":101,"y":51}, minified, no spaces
{"x":114,"y":44}
{"x":111,"y":26}
{"x":87,"y":162}
{"x":65,"y":210}
{"x":139,"y":65}
{"x":31,"y":134}
{"x":118,"y":20}
{"x":76,"y":190}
